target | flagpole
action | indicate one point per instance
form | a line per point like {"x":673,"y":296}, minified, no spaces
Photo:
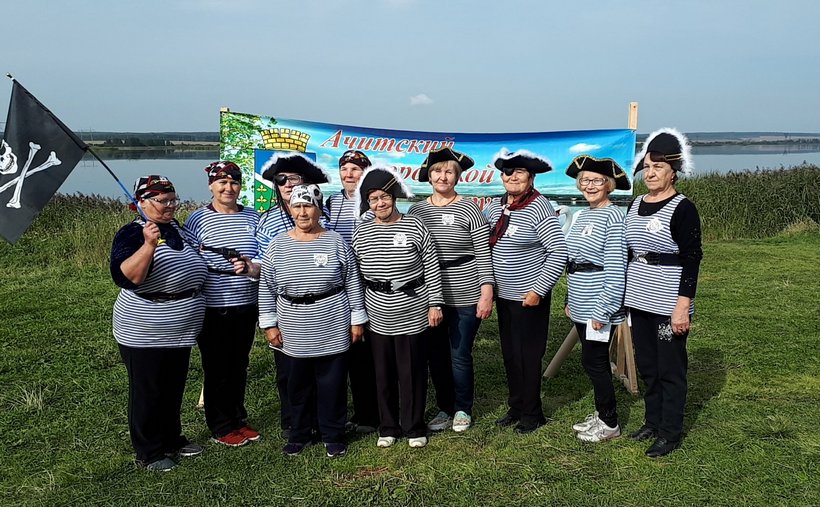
{"x":124,"y":190}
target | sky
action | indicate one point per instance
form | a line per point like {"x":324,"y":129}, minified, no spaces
{"x":428,"y":65}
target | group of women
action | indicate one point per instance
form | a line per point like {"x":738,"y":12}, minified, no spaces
{"x":352,"y":287}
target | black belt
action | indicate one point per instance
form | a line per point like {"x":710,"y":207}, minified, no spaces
{"x":582,"y":267}
{"x":656,"y":259}
{"x":390,"y":286}
{"x":224,"y":271}
{"x":458,"y":261}
{"x":309,"y":299}
{"x":161,"y":297}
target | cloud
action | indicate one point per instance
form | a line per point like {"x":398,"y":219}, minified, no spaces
{"x":420,"y":100}
{"x":581,"y":147}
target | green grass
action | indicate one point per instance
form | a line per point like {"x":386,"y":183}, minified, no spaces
{"x":751,"y":424}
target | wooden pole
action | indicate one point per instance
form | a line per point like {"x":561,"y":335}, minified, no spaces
{"x":562,"y":353}
{"x":633,"y":116}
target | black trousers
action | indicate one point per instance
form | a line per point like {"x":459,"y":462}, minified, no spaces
{"x":363,"y":383}
{"x":156,"y":383}
{"x":440,"y":363}
{"x":595,"y":360}
{"x":225,"y":343}
{"x":523,"y":331}
{"x":282,"y":362}
{"x":401,"y":383}
{"x":318,"y":387}
{"x":662,"y":363}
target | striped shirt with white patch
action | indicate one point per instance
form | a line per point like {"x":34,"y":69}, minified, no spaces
{"x":399,"y":252}
{"x":459,"y":229}
{"x":651,"y":288}
{"x":140,"y":323}
{"x":344,"y":215}
{"x":532,"y":254}
{"x":206,"y":226}
{"x":597,"y":237}
{"x":300,"y":268}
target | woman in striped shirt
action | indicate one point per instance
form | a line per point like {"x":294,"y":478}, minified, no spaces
{"x":398,"y":261}
{"x":285,"y":170}
{"x":663,"y":237}
{"x":230,"y":299}
{"x":596,"y":274}
{"x":460,"y":233}
{"x":529,"y":254}
{"x":157,"y":317}
{"x":343,"y":218}
{"x":311,"y":305}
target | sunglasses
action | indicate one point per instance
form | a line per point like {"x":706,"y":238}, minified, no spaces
{"x":281,"y":179}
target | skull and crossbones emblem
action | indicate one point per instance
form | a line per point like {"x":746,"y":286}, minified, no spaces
{"x":8,"y":165}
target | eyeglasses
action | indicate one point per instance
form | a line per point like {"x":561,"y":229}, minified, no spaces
{"x":383,"y":198}
{"x":597,"y":182}
{"x":168,"y":203}
{"x":281,"y":179}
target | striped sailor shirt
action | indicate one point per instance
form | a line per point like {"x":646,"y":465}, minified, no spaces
{"x":294,"y":268}
{"x":206,"y":226}
{"x":597,"y":236}
{"x":671,"y":226}
{"x":344,"y":215}
{"x":398,"y":252}
{"x":532,"y":254}
{"x":459,"y":230}
{"x":175,"y":268}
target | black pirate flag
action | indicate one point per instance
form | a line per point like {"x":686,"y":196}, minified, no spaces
{"x":37,"y":154}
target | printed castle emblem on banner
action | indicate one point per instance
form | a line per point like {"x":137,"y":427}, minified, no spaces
{"x":278,"y":139}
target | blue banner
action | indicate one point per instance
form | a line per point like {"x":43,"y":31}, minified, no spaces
{"x":250,"y":141}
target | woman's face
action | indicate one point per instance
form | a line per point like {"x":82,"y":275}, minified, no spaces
{"x":658,"y":176}
{"x":350,"y":174}
{"x":594,"y":186}
{"x":161,"y":207}
{"x":305,"y":216}
{"x":290,"y":180}
{"x":381,"y":204}
{"x":518,"y":182}
{"x":443,"y":179}
{"x":225,"y":191}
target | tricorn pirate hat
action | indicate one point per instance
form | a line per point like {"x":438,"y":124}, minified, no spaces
{"x":442,"y":155}
{"x":380,"y":178}
{"x":672,"y":144}
{"x":294,"y":162}
{"x":521,"y":159}
{"x":604,"y":166}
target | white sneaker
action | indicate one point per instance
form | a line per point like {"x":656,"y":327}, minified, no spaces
{"x":417,"y":441}
{"x":385,"y":441}
{"x":600,"y":432}
{"x":586,"y":423}
{"x":461,"y":421}
{"x":440,"y":422}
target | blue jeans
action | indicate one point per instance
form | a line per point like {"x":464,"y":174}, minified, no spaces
{"x":451,"y":368}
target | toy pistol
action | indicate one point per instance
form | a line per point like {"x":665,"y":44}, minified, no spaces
{"x":227,"y":253}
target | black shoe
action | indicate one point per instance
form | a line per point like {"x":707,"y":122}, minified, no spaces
{"x":643,"y":433}
{"x":506,"y":421}
{"x":524,"y":428}
{"x":662,"y":447}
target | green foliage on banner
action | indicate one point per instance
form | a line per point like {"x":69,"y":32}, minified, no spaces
{"x":239,"y":135}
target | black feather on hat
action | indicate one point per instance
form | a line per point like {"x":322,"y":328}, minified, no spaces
{"x":380,"y":178}
{"x":521,"y":159}
{"x":294,"y":162}
{"x":442,"y":155}
{"x":672,"y":144}
{"x":604,"y":166}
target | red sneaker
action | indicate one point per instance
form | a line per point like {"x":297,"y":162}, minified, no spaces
{"x":232,"y":439}
{"x":249,"y":433}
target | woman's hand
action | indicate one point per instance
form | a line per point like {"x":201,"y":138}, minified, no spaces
{"x":434,"y":316}
{"x":485,"y":303}
{"x":680,"y":316}
{"x":566,"y":311}
{"x":597,"y":325}
{"x":356,"y":333}
{"x":244,"y":266}
{"x":274,"y":337}
{"x":531,"y":298}
{"x":150,"y":231}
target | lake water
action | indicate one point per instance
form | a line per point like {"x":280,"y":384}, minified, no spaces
{"x":186,"y":169}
